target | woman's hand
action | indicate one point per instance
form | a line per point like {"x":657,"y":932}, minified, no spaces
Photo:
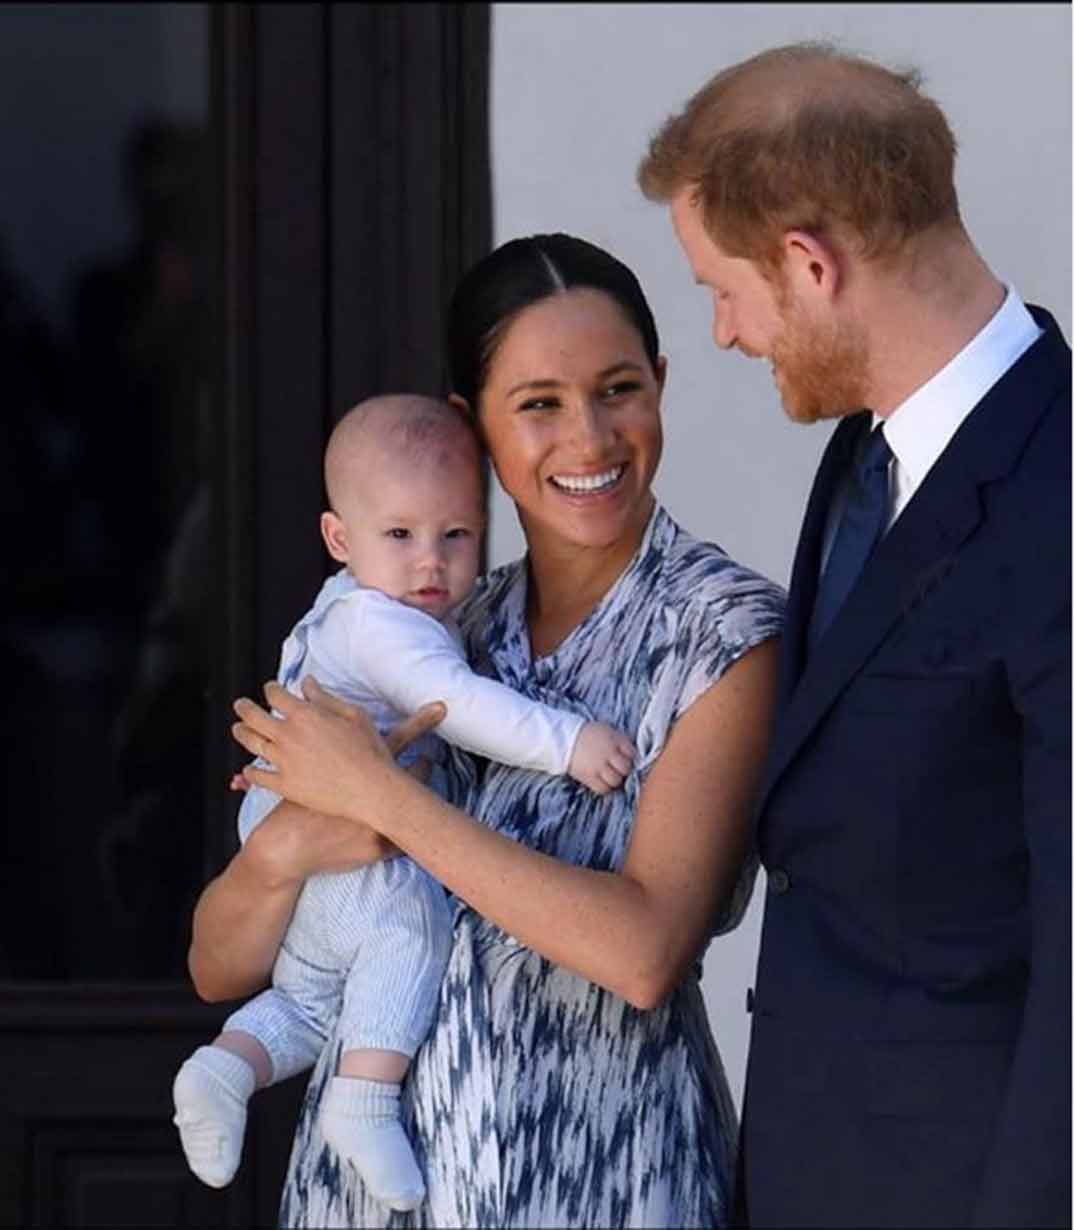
{"x":293,"y":843}
{"x":325,"y":754}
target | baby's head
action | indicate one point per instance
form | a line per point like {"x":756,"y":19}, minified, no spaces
{"x":406,"y":495}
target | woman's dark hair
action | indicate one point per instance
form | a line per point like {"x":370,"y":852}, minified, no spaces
{"x":518,"y":274}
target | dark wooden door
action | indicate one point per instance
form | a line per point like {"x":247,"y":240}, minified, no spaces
{"x":295,"y":190}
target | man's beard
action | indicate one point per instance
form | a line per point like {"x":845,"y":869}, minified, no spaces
{"x":821,"y":366}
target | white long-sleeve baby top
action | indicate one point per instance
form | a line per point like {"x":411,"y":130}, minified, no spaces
{"x":391,"y":659}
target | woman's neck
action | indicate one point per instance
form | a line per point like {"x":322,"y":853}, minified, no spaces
{"x":567,"y":580}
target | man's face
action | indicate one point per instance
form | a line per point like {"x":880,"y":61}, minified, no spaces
{"x":818,"y":361}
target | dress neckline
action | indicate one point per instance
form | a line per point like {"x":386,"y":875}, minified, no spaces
{"x":514,"y":608}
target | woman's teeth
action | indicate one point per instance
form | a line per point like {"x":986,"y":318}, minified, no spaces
{"x":589,"y":482}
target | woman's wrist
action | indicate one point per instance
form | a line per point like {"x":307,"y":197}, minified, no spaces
{"x":386,"y":793}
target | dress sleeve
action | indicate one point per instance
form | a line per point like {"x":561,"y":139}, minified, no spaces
{"x":411,"y":659}
{"x":692,"y":645}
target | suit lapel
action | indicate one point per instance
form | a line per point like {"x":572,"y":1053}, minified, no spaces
{"x":806,"y":569}
{"x":918,"y":550}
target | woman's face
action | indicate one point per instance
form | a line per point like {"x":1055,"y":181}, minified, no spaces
{"x":571,"y":416}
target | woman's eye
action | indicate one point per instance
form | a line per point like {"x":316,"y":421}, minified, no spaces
{"x":398,"y":533}
{"x":539,"y":403}
{"x":621,"y":389}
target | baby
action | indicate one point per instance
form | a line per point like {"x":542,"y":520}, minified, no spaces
{"x":405,"y":488}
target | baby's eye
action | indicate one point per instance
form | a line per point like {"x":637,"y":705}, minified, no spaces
{"x":397,"y":532}
{"x":459,"y":531}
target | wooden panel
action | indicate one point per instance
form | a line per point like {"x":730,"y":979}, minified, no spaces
{"x":86,"y":1137}
{"x":354,"y":191}
{"x":409,"y":189}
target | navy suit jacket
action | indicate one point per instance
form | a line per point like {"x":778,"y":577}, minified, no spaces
{"x":910,"y":1052}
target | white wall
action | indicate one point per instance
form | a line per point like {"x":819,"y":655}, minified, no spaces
{"x":577,"y":89}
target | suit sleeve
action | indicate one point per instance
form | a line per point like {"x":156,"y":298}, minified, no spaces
{"x":1026,"y":1178}
{"x":411,"y":660}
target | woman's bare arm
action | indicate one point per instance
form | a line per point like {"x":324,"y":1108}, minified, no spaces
{"x":242,"y":915}
{"x":636,"y":931}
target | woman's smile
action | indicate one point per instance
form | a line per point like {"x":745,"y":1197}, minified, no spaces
{"x":589,"y":485}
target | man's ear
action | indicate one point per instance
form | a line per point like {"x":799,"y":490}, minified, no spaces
{"x":335,"y":537}
{"x":812,"y":264}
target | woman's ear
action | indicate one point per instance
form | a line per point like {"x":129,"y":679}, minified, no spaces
{"x":334,"y":534}
{"x":661,"y":370}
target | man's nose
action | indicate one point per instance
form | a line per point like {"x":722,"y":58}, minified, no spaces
{"x":723,"y":331}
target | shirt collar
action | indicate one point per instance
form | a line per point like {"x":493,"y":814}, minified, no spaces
{"x":920,"y":428}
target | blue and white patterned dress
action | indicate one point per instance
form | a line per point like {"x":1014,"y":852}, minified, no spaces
{"x":540,"y":1099}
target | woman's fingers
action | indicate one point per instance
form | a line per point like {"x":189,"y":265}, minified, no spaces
{"x":248,"y":738}
{"x":427,"y":718}
{"x":331,"y":703}
{"x":253,"y":716}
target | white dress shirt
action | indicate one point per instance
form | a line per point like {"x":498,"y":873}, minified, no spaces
{"x":919,"y":429}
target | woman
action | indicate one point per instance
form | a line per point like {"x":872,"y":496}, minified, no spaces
{"x":571,"y":1078}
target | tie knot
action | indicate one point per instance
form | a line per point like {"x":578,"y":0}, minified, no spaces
{"x":877,"y":453}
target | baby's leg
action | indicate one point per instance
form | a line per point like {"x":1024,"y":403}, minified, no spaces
{"x":270,"y":1038}
{"x":265,"y":1041}
{"x":389,"y":1002}
{"x":210,"y":1093}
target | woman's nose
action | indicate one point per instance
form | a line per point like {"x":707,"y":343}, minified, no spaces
{"x":590,"y":425}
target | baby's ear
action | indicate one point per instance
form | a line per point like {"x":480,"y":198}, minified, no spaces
{"x":334,"y":534}
{"x":460,"y":404}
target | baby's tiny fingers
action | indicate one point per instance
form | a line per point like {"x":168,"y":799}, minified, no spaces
{"x":621,"y":764}
{"x":611,"y":777}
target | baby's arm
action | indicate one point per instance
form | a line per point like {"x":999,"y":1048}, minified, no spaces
{"x":412,"y":660}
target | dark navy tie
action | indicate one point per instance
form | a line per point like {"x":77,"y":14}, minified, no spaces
{"x":863,"y":523}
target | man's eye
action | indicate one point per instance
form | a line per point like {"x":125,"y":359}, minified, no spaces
{"x":398,"y":532}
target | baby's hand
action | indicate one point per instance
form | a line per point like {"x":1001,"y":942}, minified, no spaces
{"x":602,"y":757}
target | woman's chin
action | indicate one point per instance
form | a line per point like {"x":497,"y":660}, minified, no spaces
{"x":604,"y":520}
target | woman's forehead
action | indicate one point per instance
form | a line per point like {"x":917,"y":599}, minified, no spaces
{"x":582,"y":325}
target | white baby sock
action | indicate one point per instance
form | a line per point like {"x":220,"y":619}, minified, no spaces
{"x":210,"y":1093}
{"x":360,"y":1121}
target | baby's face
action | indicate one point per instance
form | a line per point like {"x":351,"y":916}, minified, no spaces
{"x":413,"y":529}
